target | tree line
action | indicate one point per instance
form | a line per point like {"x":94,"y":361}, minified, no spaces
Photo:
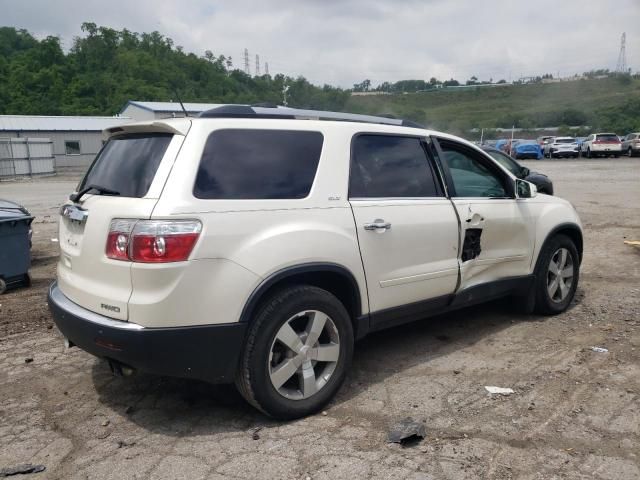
{"x":106,"y":67}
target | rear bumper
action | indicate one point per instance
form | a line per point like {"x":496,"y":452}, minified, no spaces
{"x":204,"y":352}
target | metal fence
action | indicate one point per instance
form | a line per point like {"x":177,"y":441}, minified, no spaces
{"x":26,"y":156}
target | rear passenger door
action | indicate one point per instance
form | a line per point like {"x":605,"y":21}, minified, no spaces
{"x":407,"y":229}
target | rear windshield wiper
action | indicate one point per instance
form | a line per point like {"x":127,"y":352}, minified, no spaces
{"x":75,"y":197}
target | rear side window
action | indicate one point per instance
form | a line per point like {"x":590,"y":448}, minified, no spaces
{"x":128,"y":163}
{"x":385,"y":166}
{"x":245,"y":164}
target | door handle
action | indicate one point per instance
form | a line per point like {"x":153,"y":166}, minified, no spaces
{"x":377,"y":224}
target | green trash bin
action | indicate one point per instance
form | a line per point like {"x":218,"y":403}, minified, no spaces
{"x":15,"y":245}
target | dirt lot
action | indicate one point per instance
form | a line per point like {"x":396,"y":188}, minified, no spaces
{"x":574,"y":414}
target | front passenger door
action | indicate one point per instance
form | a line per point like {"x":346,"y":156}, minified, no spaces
{"x":497,"y":229}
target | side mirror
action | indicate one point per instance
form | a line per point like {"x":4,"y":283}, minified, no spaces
{"x":525,"y":189}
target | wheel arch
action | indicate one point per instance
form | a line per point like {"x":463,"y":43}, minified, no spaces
{"x":571,"y":230}
{"x":334,"y":278}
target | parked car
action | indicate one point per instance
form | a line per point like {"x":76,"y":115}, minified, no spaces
{"x":254,"y":245}
{"x":631,"y":144}
{"x":559,"y":147}
{"x":526,"y":149}
{"x":605,"y":144}
{"x":540,"y":180}
{"x":542,"y":141}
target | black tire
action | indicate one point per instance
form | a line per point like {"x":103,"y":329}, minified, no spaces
{"x":588,"y":153}
{"x":544,"y":304}
{"x":253,"y":379}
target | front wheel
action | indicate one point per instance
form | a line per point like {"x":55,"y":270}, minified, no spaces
{"x":630,"y":152}
{"x":298,"y":352}
{"x":557,"y":273}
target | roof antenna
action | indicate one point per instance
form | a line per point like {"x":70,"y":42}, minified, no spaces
{"x":175,"y":90}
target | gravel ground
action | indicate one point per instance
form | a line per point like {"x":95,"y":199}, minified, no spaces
{"x":574,"y":413}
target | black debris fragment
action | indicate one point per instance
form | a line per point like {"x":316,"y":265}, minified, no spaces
{"x":256,"y":433}
{"x":28,"y":360}
{"x":21,"y":470}
{"x":406,"y":432}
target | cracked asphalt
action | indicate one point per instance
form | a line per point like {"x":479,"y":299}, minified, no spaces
{"x":574,"y":413}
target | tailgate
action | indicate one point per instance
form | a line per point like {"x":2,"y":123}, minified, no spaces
{"x":133,"y":168}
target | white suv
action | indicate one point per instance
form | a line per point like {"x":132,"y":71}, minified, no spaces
{"x":601,"y":144}
{"x":561,"y":147}
{"x":256,"y":244}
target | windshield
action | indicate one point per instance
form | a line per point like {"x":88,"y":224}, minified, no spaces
{"x":565,"y":140}
{"x":506,"y":161}
{"x":128,"y":163}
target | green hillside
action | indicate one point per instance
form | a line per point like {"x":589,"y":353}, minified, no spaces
{"x":607,"y":104}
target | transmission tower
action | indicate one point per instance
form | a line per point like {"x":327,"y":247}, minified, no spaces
{"x":621,"y":67}
{"x":257,"y":65}
{"x":266,"y":68}
{"x":246,"y":62}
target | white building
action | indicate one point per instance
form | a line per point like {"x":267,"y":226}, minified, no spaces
{"x":76,"y":139}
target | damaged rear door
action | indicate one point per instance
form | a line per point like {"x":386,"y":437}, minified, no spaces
{"x":496,"y":229}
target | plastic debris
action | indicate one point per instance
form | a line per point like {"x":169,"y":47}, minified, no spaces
{"x":406,"y":431}
{"x":499,"y":390}
{"x":600,"y":349}
{"x":54,"y":240}
{"x":21,"y":470}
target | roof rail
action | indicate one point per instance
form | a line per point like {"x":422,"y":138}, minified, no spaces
{"x":274,"y":111}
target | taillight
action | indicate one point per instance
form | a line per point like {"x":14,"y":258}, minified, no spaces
{"x":152,"y":241}
{"x":118,"y":239}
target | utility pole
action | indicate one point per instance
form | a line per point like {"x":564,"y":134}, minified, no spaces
{"x":621,"y":66}
{"x":285,"y":89}
{"x":266,"y":68}
{"x":257,"y":65}
{"x":246,"y":62}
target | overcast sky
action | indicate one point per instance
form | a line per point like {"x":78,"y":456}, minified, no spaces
{"x":342,"y":42}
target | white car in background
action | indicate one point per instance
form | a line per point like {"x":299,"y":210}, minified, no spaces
{"x":605,"y":144}
{"x":562,"y":147}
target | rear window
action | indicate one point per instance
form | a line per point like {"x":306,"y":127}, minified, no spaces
{"x":565,"y":140}
{"x":607,"y":137}
{"x":128,"y":163}
{"x":243,"y":164}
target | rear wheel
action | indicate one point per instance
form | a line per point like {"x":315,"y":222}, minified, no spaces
{"x":588,"y":153}
{"x":557,"y":274}
{"x":297,"y":354}
{"x":629,"y":152}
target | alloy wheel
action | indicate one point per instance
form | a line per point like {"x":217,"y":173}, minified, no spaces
{"x":304,"y":354}
{"x":560,"y":275}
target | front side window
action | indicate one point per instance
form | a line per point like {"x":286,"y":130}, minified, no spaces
{"x":243,"y":164}
{"x":470,"y":176}
{"x":387,"y":166}
{"x":506,"y":161}
{"x":72,"y":147}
